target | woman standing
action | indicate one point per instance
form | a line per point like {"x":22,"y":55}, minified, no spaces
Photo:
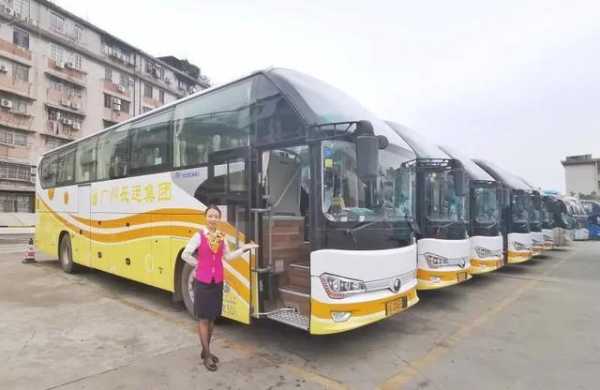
{"x":206,"y":251}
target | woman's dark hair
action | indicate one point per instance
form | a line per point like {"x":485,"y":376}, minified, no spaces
{"x":213,"y":207}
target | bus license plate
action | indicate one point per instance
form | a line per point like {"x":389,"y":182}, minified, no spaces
{"x":462,"y":276}
{"x":396,"y":306}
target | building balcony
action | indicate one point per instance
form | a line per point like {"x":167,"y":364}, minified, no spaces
{"x":16,"y":120}
{"x":111,"y":115}
{"x":67,"y":73}
{"x":15,"y":51}
{"x":117,"y":90}
{"x":58,"y":129}
{"x":15,"y":87}
{"x":62,"y":101}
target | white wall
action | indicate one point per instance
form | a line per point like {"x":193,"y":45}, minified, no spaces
{"x":581,"y":178}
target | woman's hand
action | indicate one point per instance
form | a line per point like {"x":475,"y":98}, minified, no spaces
{"x":247,"y":247}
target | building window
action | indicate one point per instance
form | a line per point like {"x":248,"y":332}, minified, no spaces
{"x":107,"y":101}
{"x":16,"y":203}
{"x":161,"y":96}
{"x":57,"y":22}
{"x":56,"y":53}
{"x":125,"y":106}
{"x":21,"y":72}
{"x":77,"y":33}
{"x":18,"y":172}
{"x":77,"y":61}
{"x":147,"y":90}
{"x":10,"y":137}
{"x":21,"y":38}
{"x":108,"y":74}
{"x":124,"y":80}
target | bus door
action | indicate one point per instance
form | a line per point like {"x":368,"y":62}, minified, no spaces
{"x":282,"y":215}
{"x":228,"y":186}
{"x":82,"y":245}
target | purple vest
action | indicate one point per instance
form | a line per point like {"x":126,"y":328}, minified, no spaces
{"x":210,"y":264}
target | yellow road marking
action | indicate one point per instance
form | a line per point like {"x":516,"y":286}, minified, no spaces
{"x":415,"y":367}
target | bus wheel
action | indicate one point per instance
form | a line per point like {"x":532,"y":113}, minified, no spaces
{"x":187,"y":287}
{"x":65,"y":255}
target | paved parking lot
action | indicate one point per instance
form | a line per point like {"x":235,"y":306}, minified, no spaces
{"x":528,"y":326}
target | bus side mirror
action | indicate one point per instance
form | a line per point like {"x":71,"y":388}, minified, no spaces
{"x":367,"y":156}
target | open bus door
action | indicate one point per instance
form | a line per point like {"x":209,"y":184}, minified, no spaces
{"x":282,"y":220}
{"x":229,"y":187}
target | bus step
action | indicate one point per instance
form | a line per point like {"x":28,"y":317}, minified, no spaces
{"x":290,"y":317}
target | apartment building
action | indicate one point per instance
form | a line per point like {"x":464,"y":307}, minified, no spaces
{"x":62,"y":78}
{"x":582,"y":174}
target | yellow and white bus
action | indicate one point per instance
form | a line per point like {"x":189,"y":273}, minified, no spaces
{"x":294,"y":164}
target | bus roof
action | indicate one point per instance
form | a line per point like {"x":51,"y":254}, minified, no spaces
{"x":474,"y":171}
{"x":315,"y":101}
{"x":422,"y":147}
{"x":503,"y":176}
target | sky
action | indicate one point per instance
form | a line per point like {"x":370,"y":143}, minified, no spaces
{"x":516,"y":82}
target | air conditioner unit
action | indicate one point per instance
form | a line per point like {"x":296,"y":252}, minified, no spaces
{"x":117,"y":107}
{"x":68,"y":122}
{"x":121,"y":88}
{"x":33,"y":22}
{"x":69,"y":65}
{"x":3,"y":69}
{"x":116,"y":100}
{"x":75,"y":105}
{"x":60,"y":64}
{"x":6,"y":103}
{"x":77,"y":125}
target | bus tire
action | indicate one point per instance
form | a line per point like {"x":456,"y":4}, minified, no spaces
{"x":65,"y":255}
{"x":186,"y":286}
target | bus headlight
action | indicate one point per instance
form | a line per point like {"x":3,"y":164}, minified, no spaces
{"x":338,"y":287}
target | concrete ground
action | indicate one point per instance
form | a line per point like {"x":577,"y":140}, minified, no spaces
{"x":528,"y":326}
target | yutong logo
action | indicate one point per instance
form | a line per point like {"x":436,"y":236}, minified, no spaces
{"x":520,"y":246}
{"x":396,"y":284}
{"x":437,"y":261}
{"x":483,"y":253}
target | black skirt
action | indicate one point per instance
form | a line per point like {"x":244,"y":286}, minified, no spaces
{"x":208,"y":300}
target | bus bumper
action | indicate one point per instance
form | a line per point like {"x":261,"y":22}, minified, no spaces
{"x":486,"y":254}
{"x":389,"y":277}
{"x":433,"y":254}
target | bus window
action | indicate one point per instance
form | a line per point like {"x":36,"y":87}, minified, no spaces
{"x":85,"y":166}
{"x":48,"y":171}
{"x":216,"y":121}
{"x":65,"y":167}
{"x":150,"y":143}
{"x":113,"y":154}
{"x":276,"y":120}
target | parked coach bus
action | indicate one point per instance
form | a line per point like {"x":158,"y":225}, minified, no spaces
{"x":294,"y":164}
{"x":484,"y":216}
{"x":443,"y":245}
{"x":515,"y":214}
{"x":535,"y":213}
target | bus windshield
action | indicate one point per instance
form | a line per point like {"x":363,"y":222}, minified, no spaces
{"x":535,"y":215}
{"x":520,"y":205}
{"x":486,"y":205}
{"x":347,"y":198}
{"x":442,"y":202}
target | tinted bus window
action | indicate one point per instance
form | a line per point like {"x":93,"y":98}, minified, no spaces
{"x":113,"y":153}
{"x":66,"y":167}
{"x":215,"y":121}
{"x":150,"y":143}
{"x":48,"y":171}
{"x":85,"y":165}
